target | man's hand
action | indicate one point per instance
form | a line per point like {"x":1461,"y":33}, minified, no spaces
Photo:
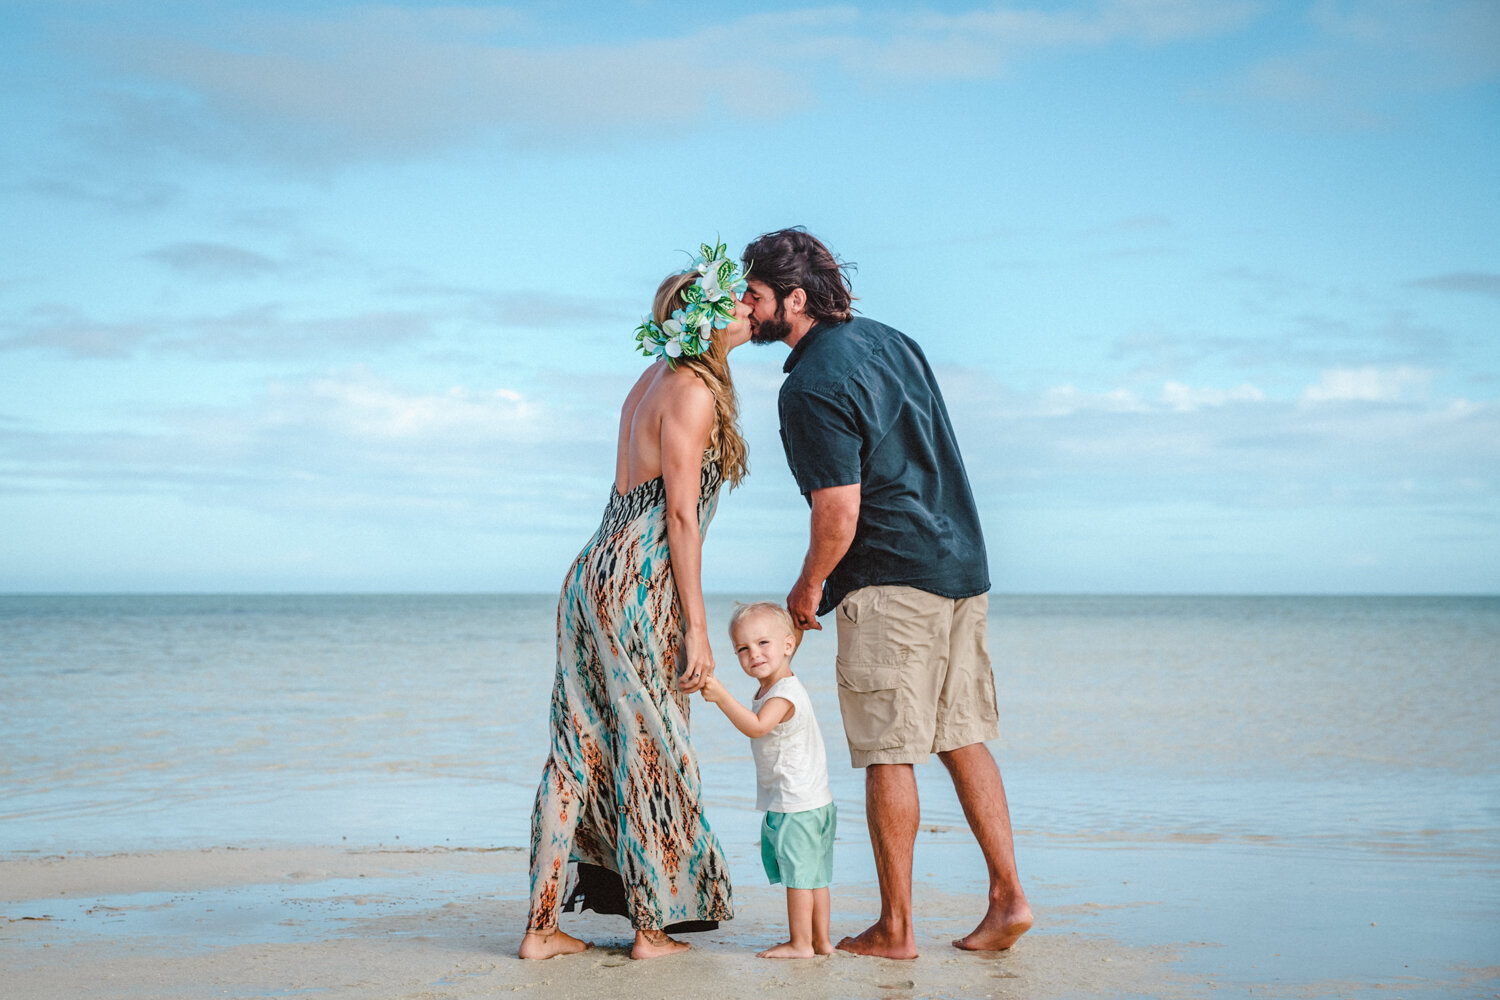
{"x":802,"y":604}
{"x":835,"y":517}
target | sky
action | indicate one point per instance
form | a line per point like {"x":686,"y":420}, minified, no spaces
{"x":321,"y":297}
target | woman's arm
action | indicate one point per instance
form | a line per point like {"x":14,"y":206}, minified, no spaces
{"x":687,"y":420}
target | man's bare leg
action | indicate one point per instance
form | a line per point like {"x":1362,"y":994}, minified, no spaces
{"x":891,"y":813}
{"x":976,"y":778}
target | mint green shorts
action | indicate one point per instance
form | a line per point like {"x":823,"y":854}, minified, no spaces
{"x":797,"y":848}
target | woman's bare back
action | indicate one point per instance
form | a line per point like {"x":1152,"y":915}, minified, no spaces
{"x":659,"y":396}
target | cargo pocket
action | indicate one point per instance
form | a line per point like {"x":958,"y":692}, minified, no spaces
{"x":870,"y":702}
{"x":862,"y":629}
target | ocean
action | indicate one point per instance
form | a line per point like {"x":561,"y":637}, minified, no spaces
{"x":1313,"y":781}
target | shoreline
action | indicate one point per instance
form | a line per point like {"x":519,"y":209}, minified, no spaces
{"x":376,"y":922}
{"x":444,"y":922}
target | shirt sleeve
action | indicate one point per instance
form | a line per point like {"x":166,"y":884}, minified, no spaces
{"x":822,"y":440}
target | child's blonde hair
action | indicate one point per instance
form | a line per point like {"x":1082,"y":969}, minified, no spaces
{"x":743,"y":611}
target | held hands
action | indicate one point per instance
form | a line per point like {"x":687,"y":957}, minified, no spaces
{"x":713,"y":690}
{"x":802,"y":604}
{"x":700,"y":662}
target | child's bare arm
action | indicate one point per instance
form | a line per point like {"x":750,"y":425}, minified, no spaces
{"x":750,"y":723}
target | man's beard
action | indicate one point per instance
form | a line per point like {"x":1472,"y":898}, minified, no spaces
{"x":769,"y":331}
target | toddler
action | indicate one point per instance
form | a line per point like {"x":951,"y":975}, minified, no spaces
{"x":791,"y":772}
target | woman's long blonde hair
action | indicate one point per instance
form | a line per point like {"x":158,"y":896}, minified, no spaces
{"x":725,"y":441}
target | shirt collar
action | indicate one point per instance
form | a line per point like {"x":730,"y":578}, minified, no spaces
{"x":801,"y":348}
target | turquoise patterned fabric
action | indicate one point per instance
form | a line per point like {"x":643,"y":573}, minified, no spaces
{"x":620,"y":789}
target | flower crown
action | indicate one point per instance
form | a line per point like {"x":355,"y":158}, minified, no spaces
{"x":708,"y":306}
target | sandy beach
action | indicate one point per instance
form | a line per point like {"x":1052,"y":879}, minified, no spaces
{"x":394,"y":922}
{"x":387,"y":923}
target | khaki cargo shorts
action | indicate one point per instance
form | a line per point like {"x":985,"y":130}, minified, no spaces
{"x":914,"y":674}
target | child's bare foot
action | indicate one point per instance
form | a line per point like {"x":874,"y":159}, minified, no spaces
{"x":823,"y":947}
{"x":548,"y":944}
{"x":787,"y":949}
{"x":655,"y":944}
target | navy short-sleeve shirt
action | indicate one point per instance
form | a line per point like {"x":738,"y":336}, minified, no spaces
{"x":860,"y":405}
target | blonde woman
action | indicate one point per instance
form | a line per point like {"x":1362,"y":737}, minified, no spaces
{"x":620,"y":795}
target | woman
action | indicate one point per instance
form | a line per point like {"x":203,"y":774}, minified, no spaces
{"x":620,"y":793}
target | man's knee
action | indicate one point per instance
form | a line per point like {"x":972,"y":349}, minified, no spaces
{"x":959,"y":756}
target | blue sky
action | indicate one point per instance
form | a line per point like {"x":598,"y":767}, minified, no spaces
{"x":310,"y":297}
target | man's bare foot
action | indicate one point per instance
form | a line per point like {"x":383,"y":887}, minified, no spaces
{"x":655,"y":944}
{"x":548,"y":944}
{"x":998,"y":930}
{"x":788,"y":950}
{"x":882,"y":943}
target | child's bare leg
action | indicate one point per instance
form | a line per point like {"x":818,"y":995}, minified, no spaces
{"x":654,"y":943}
{"x":799,"y":918}
{"x":821,"y":942}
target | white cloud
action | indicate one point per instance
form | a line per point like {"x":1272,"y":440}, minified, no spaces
{"x":349,"y":441}
{"x":1234,"y":448}
{"x":1064,"y":400}
{"x":370,"y":409}
{"x":1150,"y":21}
{"x":1185,"y":398}
{"x":1368,"y":385}
{"x":384,"y":83}
{"x":320,"y":88}
{"x":283,"y":330}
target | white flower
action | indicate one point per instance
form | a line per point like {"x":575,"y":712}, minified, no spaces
{"x":672,"y":348}
{"x":710,"y":285}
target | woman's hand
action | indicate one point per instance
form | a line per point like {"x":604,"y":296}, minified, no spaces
{"x":700,"y":661}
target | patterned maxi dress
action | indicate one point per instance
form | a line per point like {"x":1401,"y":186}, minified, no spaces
{"x":620,"y":793}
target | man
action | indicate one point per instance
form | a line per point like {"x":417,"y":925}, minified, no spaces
{"x":897,"y":550}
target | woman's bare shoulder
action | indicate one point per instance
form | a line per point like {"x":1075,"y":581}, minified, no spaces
{"x":642,"y":384}
{"x":685,"y":387}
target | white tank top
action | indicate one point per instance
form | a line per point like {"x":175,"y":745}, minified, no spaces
{"x":791,"y":768}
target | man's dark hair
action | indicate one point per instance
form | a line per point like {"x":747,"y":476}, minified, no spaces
{"x":794,"y":258}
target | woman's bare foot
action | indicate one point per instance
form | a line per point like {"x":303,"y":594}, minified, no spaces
{"x":655,"y":944}
{"x":882,"y":942}
{"x":823,"y":947}
{"x":998,"y":930}
{"x":549,"y":944}
{"x":787,"y":949}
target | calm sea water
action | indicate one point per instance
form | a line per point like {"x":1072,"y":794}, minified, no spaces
{"x":1336,"y":757}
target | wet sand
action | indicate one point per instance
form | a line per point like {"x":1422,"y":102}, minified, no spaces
{"x":380,"y":923}
{"x":393,"y":922}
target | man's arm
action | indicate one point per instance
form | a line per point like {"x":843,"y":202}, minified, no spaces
{"x":835,"y":515}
